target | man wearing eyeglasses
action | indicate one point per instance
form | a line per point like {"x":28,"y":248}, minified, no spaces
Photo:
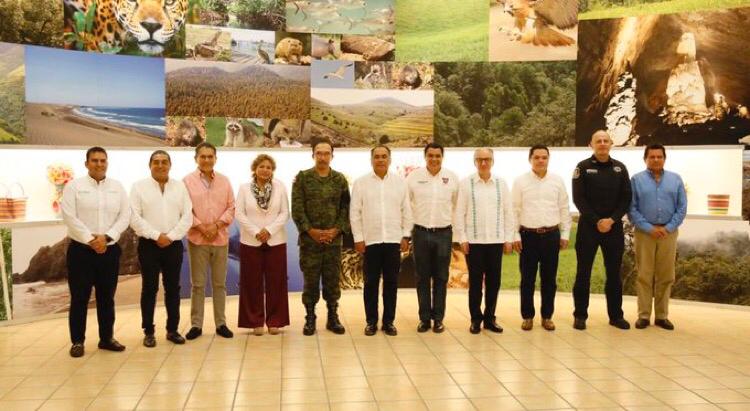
{"x":484,"y":227}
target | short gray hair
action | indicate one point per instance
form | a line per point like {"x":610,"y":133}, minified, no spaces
{"x":487,"y":149}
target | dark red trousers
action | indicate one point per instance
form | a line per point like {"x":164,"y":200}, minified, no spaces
{"x":263,"y":286}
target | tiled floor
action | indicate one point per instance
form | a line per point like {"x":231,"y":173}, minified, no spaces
{"x":703,"y":365}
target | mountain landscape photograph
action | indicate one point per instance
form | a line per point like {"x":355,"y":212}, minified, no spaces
{"x":197,"y":88}
{"x":363,"y":118}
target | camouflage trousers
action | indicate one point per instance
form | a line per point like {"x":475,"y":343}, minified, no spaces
{"x":320,"y":262}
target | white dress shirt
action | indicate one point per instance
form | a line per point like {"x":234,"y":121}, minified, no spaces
{"x":95,"y":208}
{"x":432,"y":197}
{"x":541,"y":202}
{"x":484,"y":213}
{"x":252,"y":219}
{"x":380,"y":211}
{"x":154,"y":212}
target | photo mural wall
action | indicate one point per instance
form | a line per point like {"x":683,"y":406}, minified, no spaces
{"x":279,"y":75}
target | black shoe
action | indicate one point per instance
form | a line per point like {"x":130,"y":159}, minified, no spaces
{"x":579,"y":324}
{"x":620,"y":323}
{"x":76,"y":350}
{"x":371,"y":329}
{"x":175,"y":337}
{"x":224,"y":331}
{"x":390,"y":329}
{"x":309,"y":328}
{"x":423,"y":326}
{"x":665,"y":324}
{"x":149,"y":341}
{"x":438,"y":327}
{"x":641,"y":323}
{"x":194,"y":333}
{"x":475,"y":327}
{"x":111,"y":345}
{"x":494,"y":327}
{"x":334,"y":324}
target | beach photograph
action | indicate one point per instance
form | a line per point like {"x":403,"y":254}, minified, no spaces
{"x":12,"y":74}
{"x":505,"y":104}
{"x":77,"y":101}
{"x":441,"y":30}
{"x":363,"y":118}
{"x":341,"y":16}
{"x":40,"y":273}
{"x":252,"y":46}
{"x":523,"y":30}
{"x":217,"y":89}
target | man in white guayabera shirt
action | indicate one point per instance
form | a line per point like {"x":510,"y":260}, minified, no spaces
{"x":380,"y":216}
{"x":96,"y":211}
{"x":162,"y":215}
{"x":484,"y":227}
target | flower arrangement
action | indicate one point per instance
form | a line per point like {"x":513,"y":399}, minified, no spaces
{"x":59,"y":175}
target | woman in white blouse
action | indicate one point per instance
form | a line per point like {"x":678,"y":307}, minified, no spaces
{"x":262,"y":211}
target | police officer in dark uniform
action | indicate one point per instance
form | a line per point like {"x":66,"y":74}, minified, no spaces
{"x":601,"y":192}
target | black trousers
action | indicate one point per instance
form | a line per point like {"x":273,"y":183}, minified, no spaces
{"x":168,"y":262}
{"x":588,"y":240}
{"x":87,"y":269}
{"x":432,"y":257}
{"x":381,"y":259}
{"x":540,"y":252}
{"x":485,"y":263}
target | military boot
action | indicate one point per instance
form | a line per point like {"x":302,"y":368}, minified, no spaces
{"x":333,"y":323}
{"x":309,"y":328}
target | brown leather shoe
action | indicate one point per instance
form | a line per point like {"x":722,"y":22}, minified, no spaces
{"x":548,"y":324}
{"x":527,"y":324}
{"x":111,"y":345}
{"x":76,"y":350}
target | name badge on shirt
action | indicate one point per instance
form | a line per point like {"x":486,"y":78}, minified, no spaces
{"x":591,"y":171}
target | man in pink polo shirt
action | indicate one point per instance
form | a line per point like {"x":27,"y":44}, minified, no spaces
{"x":208,"y":238}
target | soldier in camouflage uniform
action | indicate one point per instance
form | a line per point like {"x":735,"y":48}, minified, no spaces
{"x":320,"y":209}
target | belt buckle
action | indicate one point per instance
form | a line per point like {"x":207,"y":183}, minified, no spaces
{"x":540,"y":230}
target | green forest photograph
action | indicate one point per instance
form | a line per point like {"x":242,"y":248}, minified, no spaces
{"x":508,"y":104}
{"x":5,"y":237}
{"x":442,"y":30}
{"x":38,"y":22}
{"x":608,"y":9}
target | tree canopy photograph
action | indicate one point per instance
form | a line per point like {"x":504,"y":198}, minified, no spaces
{"x":505,"y":104}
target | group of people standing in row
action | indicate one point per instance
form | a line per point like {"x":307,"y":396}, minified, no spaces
{"x":386,"y":215}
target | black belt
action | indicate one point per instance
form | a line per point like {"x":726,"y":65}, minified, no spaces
{"x":433,"y":229}
{"x":539,"y":230}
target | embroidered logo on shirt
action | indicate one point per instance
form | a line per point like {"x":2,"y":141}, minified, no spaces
{"x":618,"y":169}
{"x":445,"y":180}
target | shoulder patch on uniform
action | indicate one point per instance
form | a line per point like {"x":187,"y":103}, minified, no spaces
{"x":576,"y":172}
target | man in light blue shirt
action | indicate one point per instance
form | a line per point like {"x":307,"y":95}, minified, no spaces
{"x":658,"y":208}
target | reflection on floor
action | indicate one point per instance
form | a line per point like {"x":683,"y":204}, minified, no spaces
{"x":703,"y":365}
